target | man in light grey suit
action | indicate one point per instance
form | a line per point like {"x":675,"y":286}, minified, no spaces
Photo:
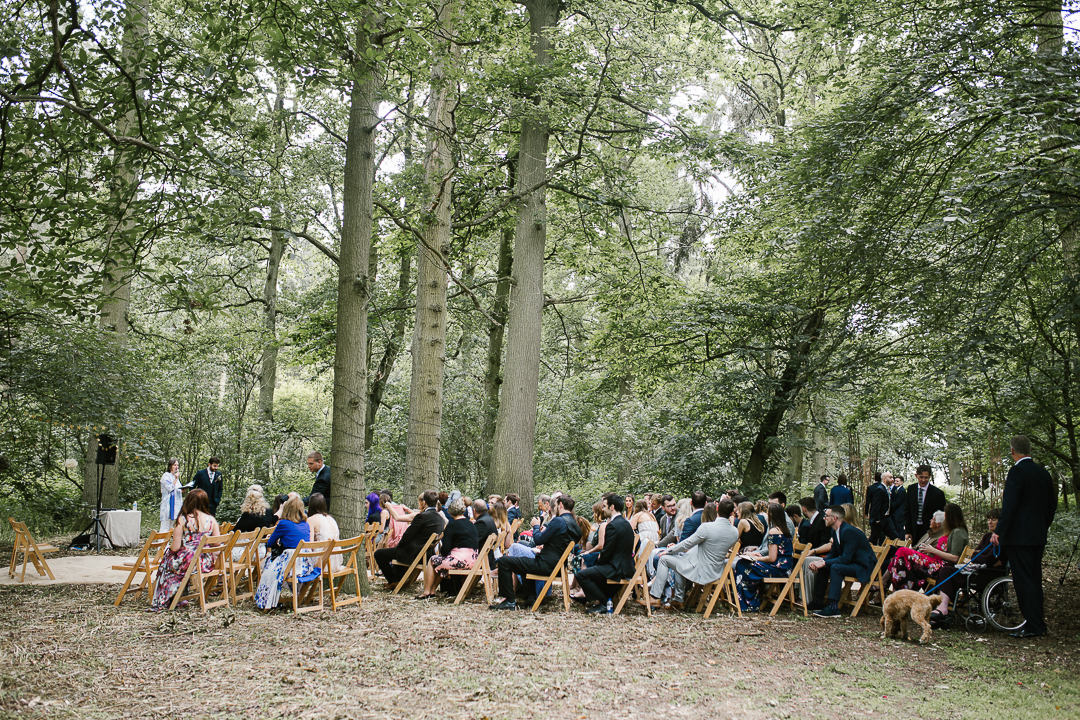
{"x":699,"y":558}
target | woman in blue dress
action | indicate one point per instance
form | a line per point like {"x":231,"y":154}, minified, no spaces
{"x":753,"y":567}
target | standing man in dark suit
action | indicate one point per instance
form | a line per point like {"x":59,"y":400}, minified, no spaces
{"x":322,"y":477}
{"x":616,"y":561}
{"x":923,"y":500}
{"x":851,"y":555}
{"x":821,"y":493}
{"x":876,"y":509}
{"x":428,"y":520}
{"x":1028,"y":504}
{"x":898,"y":506}
{"x":209,"y":481}
{"x":559,"y":532}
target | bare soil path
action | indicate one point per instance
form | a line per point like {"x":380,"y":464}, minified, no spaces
{"x":65,"y":651}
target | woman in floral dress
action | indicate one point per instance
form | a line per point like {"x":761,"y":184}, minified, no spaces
{"x":194,"y":523}
{"x":911,"y":568}
{"x":290,"y":531}
{"x":753,"y":567}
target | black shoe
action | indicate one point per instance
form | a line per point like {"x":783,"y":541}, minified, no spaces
{"x":830,"y":611}
{"x":580,"y":599}
{"x":504,"y":605}
{"x":600,"y":610}
{"x":1026,"y":634}
{"x":815,"y":605}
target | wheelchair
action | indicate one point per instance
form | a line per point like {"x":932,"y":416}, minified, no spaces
{"x":988,"y":599}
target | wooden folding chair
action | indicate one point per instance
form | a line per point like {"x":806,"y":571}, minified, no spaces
{"x":864,"y":591}
{"x":147,"y":564}
{"x":245,"y":568}
{"x":559,"y":572}
{"x":481,"y":569}
{"x":349,"y":552}
{"x":218,"y":547}
{"x":716,"y":588}
{"x":416,"y":566}
{"x":371,"y":533}
{"x":225,"y":528}
{"x":639,"y":581}
{"x":787,"y":585}
{"x":33,"y":552}
{"x":303,"y":587}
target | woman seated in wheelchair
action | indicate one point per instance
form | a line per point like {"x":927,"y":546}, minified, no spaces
{"x":984,"y":567}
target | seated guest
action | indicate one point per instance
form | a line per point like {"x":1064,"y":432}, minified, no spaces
{"x":984,"y":567}
{"x":290,"y":531}
{"x":457,"y":551}
{"x":852,"y":513}
{"x":753,"y":567}
{"x":400,"y":517}
{"x":819,"y":538}
{"x":851,"y":555}
{"x":513,"y":512}
{"x":690,"y":525}
{"x":841,"y":494}
{"x":485,"y":526}
{"x":193,"y":523}
{"x":911,"y":567}
{"x":502,"y":521}
{"x":628,"y":506}
{"x":560,"y":532}
{"x":751,"y":529}
{"x":255,"y":512}
{"x":701,"y":557}
{"x":666,"y":516}
{"x":683,"y":510}
{"x":794,"y":513}
{"x":275,"y":507}
{"x":323,"y":527}
{"x":588,"y":550}
{"x":425,"y":522}
{"x":644,"y":524}
{"x":375,"y":511}
{"x":616,"y":561}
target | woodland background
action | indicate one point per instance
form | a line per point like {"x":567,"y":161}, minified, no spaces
{"x":600,"y":245}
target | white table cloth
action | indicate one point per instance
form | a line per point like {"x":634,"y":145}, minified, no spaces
{"x":122,"y":527}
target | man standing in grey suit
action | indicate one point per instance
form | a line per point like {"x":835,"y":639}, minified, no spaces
{"x":699,"y":558}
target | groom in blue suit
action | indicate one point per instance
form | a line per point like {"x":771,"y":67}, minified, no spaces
{"x":209,"y":481}
{"x":851,"y":555}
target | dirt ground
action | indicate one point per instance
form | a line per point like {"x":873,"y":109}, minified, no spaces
{"x":65,"y":651}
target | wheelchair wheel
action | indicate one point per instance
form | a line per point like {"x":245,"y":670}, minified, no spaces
{"x":1000,"y":606}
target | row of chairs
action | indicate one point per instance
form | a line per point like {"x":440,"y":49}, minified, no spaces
{"x":235,"y":565}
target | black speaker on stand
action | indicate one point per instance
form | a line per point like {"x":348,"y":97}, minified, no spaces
{"x":106,"y":455}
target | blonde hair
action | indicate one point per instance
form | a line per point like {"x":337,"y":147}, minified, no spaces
{"x":746,"y":512}
{"x":254,"y":502}
{"x":293,"y":510}
{"x":850,"y":516}
{"x":498,"y":514}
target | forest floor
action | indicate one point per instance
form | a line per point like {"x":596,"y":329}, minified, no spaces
{"x":65,"y":651}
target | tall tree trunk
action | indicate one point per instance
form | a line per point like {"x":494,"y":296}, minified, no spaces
{"x":788,"y":386}
{"x":515,"y":426}
{"x":350,"y":356}
{"x":122,"y":253}
{"x":821,"y":445}
{"x":493,"y":369}
{"x":278,"y":243}
{"x":797,"y":450}
{"x":390,"y":352}
{"x":952,"y":441}
{"x":429,"y":328}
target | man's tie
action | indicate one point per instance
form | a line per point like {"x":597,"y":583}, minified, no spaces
{"x":922,"y":496}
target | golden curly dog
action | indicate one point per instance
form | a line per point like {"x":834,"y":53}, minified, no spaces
{"x":904,"y":603}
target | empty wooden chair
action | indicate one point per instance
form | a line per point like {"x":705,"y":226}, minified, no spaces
{"x":416,"y":566}
{"x":638,"y":582}
{"x":558,"y":572}
{"x":146,"y":563}
{"x":33,"y":552}
{"x":218,"y":548}
{"x":349,"y":553}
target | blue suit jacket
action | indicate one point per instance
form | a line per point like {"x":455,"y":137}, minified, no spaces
{"x":690,"y":525}
{"x":853,"y":549}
